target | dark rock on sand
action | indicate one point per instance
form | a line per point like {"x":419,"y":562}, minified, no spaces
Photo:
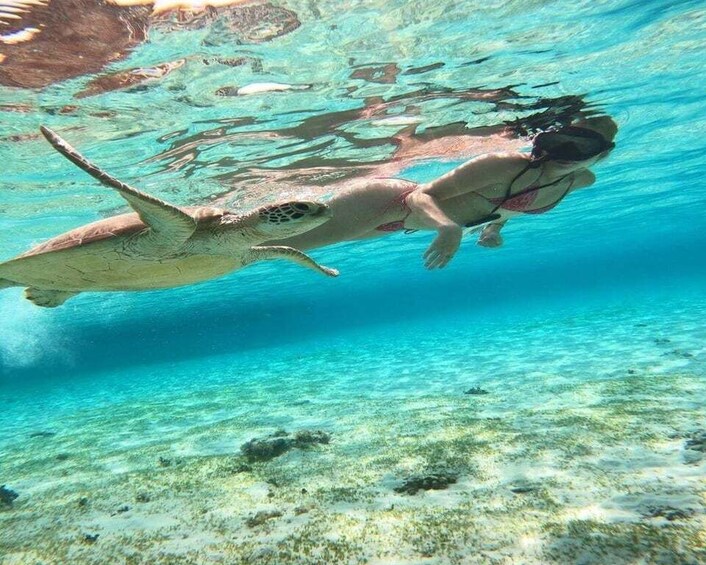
{"x":476,"y":390}
{"x":523,"y":489}
{"x":650,"y":505}
{"x":697,"y":442}
{"x":669,"y":513}
{"x":433,"y":481}
{"x":280,"y":442}
{"x":164,"y":462}
{"x":267,"y":448}
{"x":302,"y":402}
{"x":307,"y":438}
{"x":427,"y":548}
{"x":524,"y":486}
{"x":679,"y":353}
{"x":7,"y":496}
{"x":261,"y":517}
{"x":695,"y":448}
{"x":90,"y":538}
{"x":42,"y":433}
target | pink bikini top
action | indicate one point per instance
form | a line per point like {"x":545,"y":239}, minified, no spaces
{"x":523,"y":200}
{"x":519,"y":202}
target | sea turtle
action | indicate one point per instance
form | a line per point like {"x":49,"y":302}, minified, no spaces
{"x":159,"y":246}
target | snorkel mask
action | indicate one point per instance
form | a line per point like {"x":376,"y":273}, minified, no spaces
{"x":569,"y":144}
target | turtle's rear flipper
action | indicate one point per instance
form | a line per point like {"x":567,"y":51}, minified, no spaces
{"x":264,"y":252}
{"x":48,"y":298}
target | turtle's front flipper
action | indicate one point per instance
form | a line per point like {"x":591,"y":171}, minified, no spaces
{"x":169,"y":226}
{"x":264,"y":252}
{"x":48,"y":298}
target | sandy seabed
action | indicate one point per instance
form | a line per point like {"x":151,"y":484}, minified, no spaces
{"x":588,"y":446}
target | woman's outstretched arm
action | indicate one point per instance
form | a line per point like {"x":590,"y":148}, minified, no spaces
{"x":427,"y":212}
{"x":466,"y":180}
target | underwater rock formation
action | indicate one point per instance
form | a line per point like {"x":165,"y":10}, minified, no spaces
{"x":307,"y":438}
{"x":280,"y":442}
{"x":261,"y":517}
{"x":476,"y":390}
{"x":7,"y":496}
{"x":433,"y":481}
{"x":524,"y":486}
{"x":266,"y":448}
{"x":695,"y":448}
{"x":697,"y":442}
{"x":669,"y":513}
{"x":670,"y":507}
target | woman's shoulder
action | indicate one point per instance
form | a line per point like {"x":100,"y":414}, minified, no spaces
{"x":500,"y":159}
{"x":478,"y":174}
{"x":499,"y":165}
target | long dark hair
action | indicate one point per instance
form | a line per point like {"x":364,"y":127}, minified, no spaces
{"x":570,"y":143}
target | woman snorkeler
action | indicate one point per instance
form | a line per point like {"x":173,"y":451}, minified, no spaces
{"x":483,"y":193}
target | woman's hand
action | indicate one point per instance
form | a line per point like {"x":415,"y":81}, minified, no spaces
{"x":426,"y":211}
{"x":490,"y":236}
{"x":444,"y":247}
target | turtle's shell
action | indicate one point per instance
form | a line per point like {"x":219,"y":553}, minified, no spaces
{"x":95,"y":257}
{"x":122,"y":225}
{"x":117,"y":226}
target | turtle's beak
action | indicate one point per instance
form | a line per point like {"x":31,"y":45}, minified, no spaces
{"x":324,"y":210}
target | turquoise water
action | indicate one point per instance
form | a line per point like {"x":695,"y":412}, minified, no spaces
{"x":585,"y":329}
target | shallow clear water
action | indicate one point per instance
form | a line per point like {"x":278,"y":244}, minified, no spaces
{"x":585,"y":329}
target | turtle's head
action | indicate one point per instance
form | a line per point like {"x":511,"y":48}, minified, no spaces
{"x":277,"y":221}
